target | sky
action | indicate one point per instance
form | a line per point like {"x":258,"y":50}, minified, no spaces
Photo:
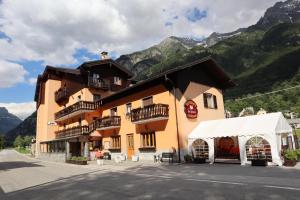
{"x":65,"y":33}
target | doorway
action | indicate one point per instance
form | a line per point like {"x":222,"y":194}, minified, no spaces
{"x":227,"y":148}
{"x":130,"y":146}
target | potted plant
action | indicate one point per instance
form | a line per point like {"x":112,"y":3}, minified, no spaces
{"x":188,"y":158}
{"x":260,"y":159}
{"x":290,"y":158}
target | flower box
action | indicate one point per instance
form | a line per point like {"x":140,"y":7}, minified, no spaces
{"x":259,"y":162}
{"x":290,"y":163}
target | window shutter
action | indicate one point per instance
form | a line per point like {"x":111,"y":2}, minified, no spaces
{"x":205,"y":100}
{"x":215,"y":102}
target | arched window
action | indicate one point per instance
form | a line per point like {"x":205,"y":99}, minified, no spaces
{"x":258,"y":148}
{"x":200,"y":149}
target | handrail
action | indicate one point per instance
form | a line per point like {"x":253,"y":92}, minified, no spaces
{"x":72,"y":132}
{"x":80,"y":105}
{"x":104,"y":122}
{"x":150,"y":112}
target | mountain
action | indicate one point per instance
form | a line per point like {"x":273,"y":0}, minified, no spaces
{"x":137,"y":62}
{"x":27,"y":127}
{"x":260,"y":58}
{"x":8,"y":121}
{"x":281,"y":12}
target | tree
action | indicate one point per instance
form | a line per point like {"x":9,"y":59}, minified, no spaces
{"x":27,"y":140}
{"x":1,"y":141}
{"x":19,"y":142}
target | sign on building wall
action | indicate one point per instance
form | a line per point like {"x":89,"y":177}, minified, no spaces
{"x":190,"y":109}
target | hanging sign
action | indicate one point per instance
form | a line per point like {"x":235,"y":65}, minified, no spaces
{"x":190,"y":109}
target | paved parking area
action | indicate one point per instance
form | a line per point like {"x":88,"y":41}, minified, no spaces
{"x":23,"y":178}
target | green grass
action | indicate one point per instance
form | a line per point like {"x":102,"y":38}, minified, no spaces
{"x":298,"y":133}
{"x":22,"y":150}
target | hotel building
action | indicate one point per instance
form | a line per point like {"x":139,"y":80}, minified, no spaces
{"x":99,"y":106}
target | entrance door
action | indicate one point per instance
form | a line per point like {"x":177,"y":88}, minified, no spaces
{"x":130,"y":146}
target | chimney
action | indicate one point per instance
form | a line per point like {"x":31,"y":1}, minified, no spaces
{"x":104,"y":55}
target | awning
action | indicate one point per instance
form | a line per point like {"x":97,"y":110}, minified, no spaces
{"x":271,"y":123}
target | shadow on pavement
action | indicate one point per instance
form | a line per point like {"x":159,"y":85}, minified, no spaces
{"x":17,"y":164}
{"x":150,"y":183}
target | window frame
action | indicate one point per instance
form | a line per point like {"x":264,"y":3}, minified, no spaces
{"x":148,"y":140}
{"x":145,"y":99}
{"x":117,"y":80}
{"x":213,"y":100}
{"x":115,"y":142}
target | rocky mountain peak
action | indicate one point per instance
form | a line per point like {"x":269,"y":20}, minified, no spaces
{"x":282,"y":12}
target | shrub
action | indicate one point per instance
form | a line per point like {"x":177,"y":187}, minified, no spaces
{"x":188,"y":158}
{"x":290,"y":155}
{"x":78,"y":158}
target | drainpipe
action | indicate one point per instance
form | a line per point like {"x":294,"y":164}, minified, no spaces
{"x":176,"y":116}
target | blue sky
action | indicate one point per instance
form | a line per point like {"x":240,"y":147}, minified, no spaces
{"x":65,"y":34}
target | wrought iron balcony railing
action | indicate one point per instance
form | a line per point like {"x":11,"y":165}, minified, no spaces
{"x":72,"y":132}
{"x":151,"y":112}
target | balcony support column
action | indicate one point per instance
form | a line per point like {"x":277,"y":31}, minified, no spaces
{"x":68,"y":155}
{"x":86,"y":149}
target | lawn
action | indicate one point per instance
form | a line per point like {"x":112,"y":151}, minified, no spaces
{"x":298,"y":133}
{"x":22,"y":150}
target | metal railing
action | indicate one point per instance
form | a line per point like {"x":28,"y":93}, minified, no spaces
{"x":150,"y":112}
{"x":80,"y":105}
{"x":61,"y":94}
{"x":105,"y":122}
{"x":98,"y":83}
{"x":72,"y":132}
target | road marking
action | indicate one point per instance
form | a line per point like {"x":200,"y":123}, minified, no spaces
{"x":212,"y":181}
{"x":281,"y":187}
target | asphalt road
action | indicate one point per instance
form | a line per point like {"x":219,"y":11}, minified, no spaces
{"x":24,"y":178}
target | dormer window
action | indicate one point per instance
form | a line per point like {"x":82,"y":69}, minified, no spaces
{"x":117,"y":80}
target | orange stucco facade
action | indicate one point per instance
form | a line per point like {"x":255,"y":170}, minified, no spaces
{"x":158,"y":127}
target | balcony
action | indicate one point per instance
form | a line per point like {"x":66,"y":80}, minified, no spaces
{"x":72,"y":132}
{"x":61,"y":95}
{"x":98,"y":83}
{"x":75,"y":109}
{"x":154,"y":112}
{"x":105,"y":123}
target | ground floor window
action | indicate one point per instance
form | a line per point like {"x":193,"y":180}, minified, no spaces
{"x":258,"y":148}
{"x":200,"y":149}
{"x":115,"y":142}
{"x":148,"y":140}
{"x":54,"y":146}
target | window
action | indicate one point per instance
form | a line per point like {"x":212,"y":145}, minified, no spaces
{"x":117,"y":80}
{"x":79,"y":122}
{"x":113,"y":111}
{"x":148,"y":139}
{"x":147,"y":101}
{"x":96,"y":97}
{"x":115,"y":142}
{"x":210,"y":101}
{"x":78,"y":97}
{"x":128,"y":108}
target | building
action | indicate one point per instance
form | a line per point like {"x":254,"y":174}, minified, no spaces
{"x":99,"y":106}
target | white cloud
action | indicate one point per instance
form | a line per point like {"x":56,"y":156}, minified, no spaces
{"x":32,"y":81}
{"x":21,"y":110}
{"x":52,"y":30}
{"x":11,"y":74}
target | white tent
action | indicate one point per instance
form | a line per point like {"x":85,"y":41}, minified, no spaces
{"x":269,"y":126}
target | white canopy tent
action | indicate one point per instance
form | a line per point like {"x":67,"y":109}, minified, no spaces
{"x":269,"y":126}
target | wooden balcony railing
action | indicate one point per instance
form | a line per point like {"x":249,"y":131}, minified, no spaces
{"x":61,"y":95}
{"x":105,"y":122}
{"x":79,"y":106}
{"x":72,"y":132}
{"x":150,"y":112}
{"x":98,"y":83}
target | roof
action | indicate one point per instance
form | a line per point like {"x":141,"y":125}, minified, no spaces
{"x":272,"y":123}
{"x":214,"y":69}
{"x":94,"y":63}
